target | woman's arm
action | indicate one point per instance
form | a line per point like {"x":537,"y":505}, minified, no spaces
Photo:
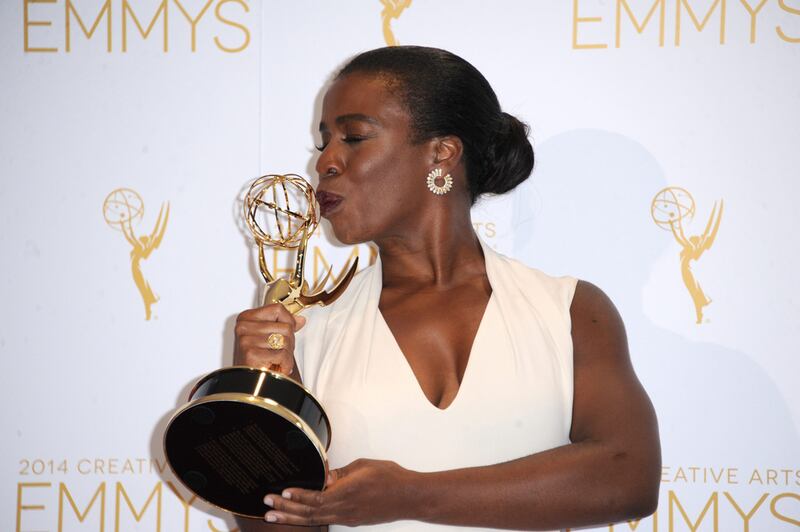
{"x":610,"y":471}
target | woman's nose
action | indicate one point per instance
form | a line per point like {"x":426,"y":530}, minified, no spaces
{"x":328,"y":165}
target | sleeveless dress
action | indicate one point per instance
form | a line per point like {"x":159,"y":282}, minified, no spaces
{"x":515,"y":398}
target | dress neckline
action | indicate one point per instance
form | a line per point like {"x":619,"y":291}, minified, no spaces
{"x":397,"y":351}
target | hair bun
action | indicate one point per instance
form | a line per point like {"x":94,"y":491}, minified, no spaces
{"x":508,"y":157}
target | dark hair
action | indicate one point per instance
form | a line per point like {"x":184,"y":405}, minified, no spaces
{"x":445,"y":95}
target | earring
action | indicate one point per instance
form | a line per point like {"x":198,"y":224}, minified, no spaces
{"x":435,"y":174}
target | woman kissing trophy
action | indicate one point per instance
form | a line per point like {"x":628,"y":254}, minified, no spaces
{"x":248,"y":431}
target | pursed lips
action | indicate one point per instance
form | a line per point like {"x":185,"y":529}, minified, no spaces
{"x":328,"y":202}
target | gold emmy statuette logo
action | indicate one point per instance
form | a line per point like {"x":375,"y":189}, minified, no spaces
{"x":121,"y":209}
{"x":670,"y":208}
{"x":392,"y":9}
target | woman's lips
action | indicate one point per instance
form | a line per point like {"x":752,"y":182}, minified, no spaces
{"x":328,"y":202}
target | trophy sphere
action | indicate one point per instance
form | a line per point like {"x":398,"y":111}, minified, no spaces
{"x":122,"y":205}
{"x":280,"y":209}
{"x":672,"y":205}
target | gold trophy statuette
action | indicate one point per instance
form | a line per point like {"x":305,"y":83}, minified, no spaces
{"x":271,"y":215}
{"x":245,"y":431}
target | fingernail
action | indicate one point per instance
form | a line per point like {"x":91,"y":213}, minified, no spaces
{"x":271,"y":518}
{"x":268,"y":501}
{"x":286,"y":495}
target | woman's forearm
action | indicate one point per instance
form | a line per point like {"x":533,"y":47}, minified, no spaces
{"x":574,"y":485}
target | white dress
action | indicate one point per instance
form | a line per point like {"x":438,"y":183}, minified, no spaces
{"x":515,"y":398}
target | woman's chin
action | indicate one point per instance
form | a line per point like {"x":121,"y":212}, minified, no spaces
{"x":342,"y":235}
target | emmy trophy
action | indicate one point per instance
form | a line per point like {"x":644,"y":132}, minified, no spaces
{"x":246,"y":431}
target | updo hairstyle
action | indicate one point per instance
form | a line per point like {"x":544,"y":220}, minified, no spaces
{"x":445,"y":95}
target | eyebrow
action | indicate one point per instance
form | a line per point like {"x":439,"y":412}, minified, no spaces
{"x":357,"y":117}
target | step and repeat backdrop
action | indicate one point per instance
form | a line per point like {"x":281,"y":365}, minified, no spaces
{"x":667,"y":135}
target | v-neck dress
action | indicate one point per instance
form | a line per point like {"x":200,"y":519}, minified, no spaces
{"x":515,"y":397}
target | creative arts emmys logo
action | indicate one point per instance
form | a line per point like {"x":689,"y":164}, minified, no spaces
{"x":670,"y":208}
{"x":392,"y":9}
{"x":122,"y":209}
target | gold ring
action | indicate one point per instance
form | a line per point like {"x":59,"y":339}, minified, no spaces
{"x":276,"y":341}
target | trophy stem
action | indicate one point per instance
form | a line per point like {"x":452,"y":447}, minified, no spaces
{"x":299,"y":265}
{"x":262,"y":265}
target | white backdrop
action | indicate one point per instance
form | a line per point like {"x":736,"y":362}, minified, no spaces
{"x":222,"y":91}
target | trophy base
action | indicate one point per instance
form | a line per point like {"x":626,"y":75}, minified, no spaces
{"x":246,"y":433}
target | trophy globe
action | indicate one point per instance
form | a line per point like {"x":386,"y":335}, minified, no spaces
{"x":281,"y":210}
{"x":122,"y":206}
{"x":672,"y":205}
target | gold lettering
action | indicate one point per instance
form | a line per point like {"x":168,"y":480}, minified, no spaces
{"x":69,"y":8}
{"x":697,"y":23}
{"x":224,"y":20}
{"x":101,"y":492}
{"x":749,"y":515}
{"x":753,"y":15}
{"x":576,"y":19}
{"x":640,"y":28}
{"x":27,"y":23}
{"x":755,"y":477}
{"x":126,"y":8}
{"x":137,"y":515}
{"x":25,"y":507}
{"x":186,"y":504}
{"x":779,"y":30}
{"x":772,"y":477}
{"x":773,"y":507}
{"x":193,"y":21}
{"x":159,"y":466}
{"x":713,"y":502}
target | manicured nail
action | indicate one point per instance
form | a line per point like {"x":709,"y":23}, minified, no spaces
{"x":268,"y":501}
{"x":286,"y":495}
{"x":271,"y":518}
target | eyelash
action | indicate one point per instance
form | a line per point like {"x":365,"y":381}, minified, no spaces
{"x":352,"y":139}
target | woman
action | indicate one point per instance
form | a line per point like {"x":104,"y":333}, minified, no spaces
{"x":464,"y":388}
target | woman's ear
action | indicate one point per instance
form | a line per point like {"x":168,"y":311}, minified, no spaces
{"x":448,"y":151}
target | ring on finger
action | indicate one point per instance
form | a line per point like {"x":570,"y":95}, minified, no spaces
{"x":276,"y":341}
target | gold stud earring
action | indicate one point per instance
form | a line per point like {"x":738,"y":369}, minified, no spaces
{"x":435,"y":174}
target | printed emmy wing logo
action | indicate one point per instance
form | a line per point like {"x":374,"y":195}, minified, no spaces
{"x":670,"y":209}
{"x":392,"y":9}
{"x":122,"y":209}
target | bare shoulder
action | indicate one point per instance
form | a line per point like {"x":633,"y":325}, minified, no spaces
{"x":598,"y":332}
{"x":609,"y":401}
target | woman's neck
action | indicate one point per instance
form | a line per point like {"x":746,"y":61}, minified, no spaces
{"x":446,"y":253}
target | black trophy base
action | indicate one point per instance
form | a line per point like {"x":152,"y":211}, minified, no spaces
{"x":245,"y":434}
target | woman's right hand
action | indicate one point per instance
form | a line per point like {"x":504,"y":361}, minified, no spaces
{"x":253,"y":329}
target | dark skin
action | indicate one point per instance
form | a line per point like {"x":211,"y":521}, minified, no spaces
{"x":432,"y":260}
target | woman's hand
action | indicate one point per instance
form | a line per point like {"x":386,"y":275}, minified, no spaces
{"x":362,"y":493}
{"x":253,"y":329}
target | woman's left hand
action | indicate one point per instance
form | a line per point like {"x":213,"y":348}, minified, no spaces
{"x":362,"y":493}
